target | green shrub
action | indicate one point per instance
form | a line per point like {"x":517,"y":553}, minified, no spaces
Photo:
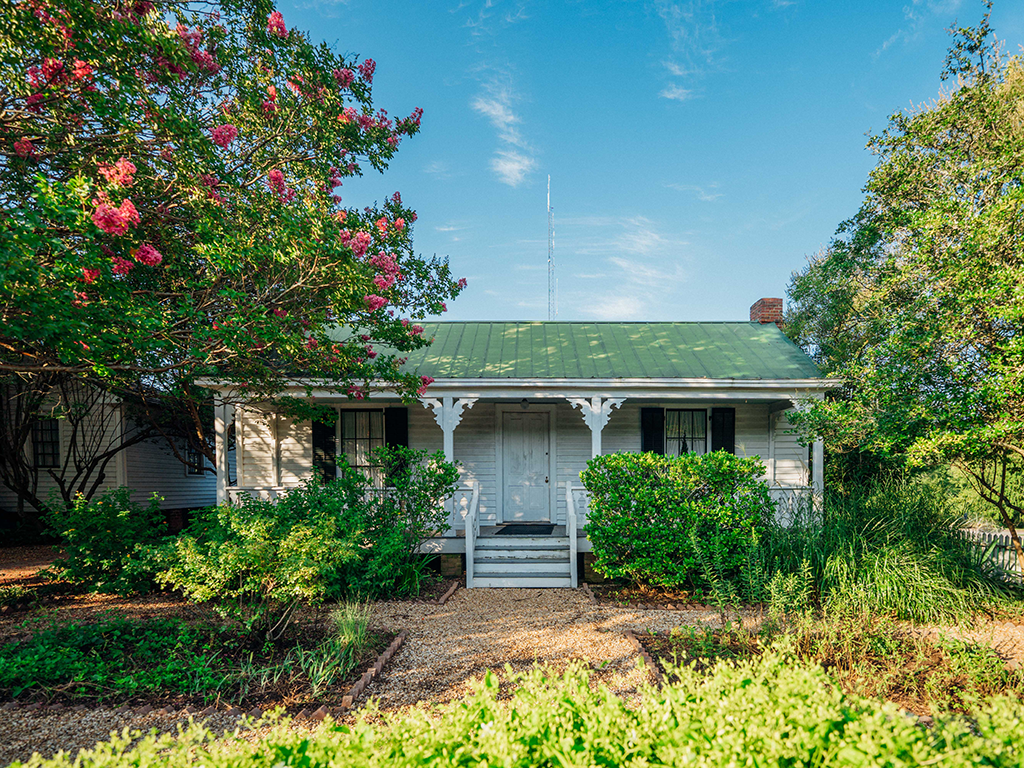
{"x":688,"y":521}
{"x":260,"y":559}
{"x":105,"y":541}
{"x":768,"y":712}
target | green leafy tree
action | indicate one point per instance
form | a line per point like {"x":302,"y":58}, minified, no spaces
{"x":170,"y":205}
{"x":918,"y":303}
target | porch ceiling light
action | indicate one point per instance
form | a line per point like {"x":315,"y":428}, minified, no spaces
{"x":524,"y":403}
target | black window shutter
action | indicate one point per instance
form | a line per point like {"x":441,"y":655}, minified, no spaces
{"x":652,"y":430}
{"x":396,"y":426}
{"x":324,"y":451}
{"x":723,"y":429}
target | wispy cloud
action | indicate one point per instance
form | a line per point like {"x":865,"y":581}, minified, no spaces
{"x":676,"y":93}
{"x":917,"y":15}
{"x":513,"y":160}
{"x":707,"y":194}
{"x":492,"y":15}
{"x":450,"y":227}
{"x":438,"y":168}
{"x":639,"y":266}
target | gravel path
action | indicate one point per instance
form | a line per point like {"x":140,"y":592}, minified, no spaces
{"x":474,"y":631}
{"x":483,"y":629}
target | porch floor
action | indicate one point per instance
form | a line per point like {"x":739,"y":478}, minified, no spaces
{"x":492,"y":530}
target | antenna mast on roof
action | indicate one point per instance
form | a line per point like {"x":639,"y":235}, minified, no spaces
{"x":552,"y":289}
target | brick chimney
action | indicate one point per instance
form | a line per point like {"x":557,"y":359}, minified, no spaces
{"x":767,"y":311}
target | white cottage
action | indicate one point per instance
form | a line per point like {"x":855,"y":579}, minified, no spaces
{"x":522,"y":406}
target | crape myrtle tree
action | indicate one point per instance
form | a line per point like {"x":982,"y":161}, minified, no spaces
{"x":172,"y":206}
{"x":918,"y":303}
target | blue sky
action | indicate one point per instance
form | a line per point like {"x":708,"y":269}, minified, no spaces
{"x":698,"y":151}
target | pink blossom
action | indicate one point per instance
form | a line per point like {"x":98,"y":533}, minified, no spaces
{"x":120,"y":174}
{"x":355,"y":392}
{"x":340,"y":216}
{"x":392,"y":141}
{"x":416,"y":330}
{"x":399,"y":224}
{"x":269,"y":108}
{"x":425,"y":381}
{"x":383,"y":282}
{"x":370,"y":353}
{"x":115,"y":221}
{"x":310,"y":343}
{"x":444,"y":307}
{"x":344,"y":77}
{"x":33,"y":102}
{"x":367,"y":68}
{"x":223,"y":135}
{"x":396,"y":198}
{"x":382,"y":225}
{"x":24,"y":148}
{"x":90,"y":275}
{"x":53,"y":69}
{"x":82,"y":70}
{"x":148,"y":255}
{"x":364,"y":337}
{"x":275,"y":25}
{"x":121,"y":266}
{"x":462,"y":282}
{"x":413,"y":216}
{"x":81,"y":299}
{"x":272,"y":92}
{"x":374,"y":302}
{"x":360,"y":243}
{"x":280,"y":312}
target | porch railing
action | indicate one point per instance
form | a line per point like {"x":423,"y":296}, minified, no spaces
{"x":472,"y":523}
{"x":792,"y":503}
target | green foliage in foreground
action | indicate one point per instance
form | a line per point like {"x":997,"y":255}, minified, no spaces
{"x":769,"y":712}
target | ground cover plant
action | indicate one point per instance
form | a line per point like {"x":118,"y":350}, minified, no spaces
{"x":865,"y":656}
{"x":179,"y":661}
{"x":771,"y":711}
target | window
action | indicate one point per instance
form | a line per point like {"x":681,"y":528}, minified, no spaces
{"x":195,"y":461}
{"x":361,"y":432}
{"x":686,"y":432}
{"x":46,"y":443}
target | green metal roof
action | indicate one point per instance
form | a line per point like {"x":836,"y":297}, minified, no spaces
{"x":556,"y":350}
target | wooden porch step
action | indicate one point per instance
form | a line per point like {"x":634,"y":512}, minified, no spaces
{"x":513,"y":567}
{"x":533,"y":581}
{"x":555,"y":553}
{"x":522,"y":542}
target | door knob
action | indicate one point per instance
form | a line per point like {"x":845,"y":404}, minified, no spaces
{"x":545,"y":479}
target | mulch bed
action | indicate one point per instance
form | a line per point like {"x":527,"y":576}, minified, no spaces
{"x":56,"y":603}
{"x":431,"y":593}
{"x":646,"y":597}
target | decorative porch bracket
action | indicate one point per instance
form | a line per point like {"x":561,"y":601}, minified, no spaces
{"x":448,"y":415}
{"x":595,"y":414}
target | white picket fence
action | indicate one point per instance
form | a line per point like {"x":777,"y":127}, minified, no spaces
{"x":997,"y":548}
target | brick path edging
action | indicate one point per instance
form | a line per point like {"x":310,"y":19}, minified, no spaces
{"x":659,"y":680}
{"x":348,"y":701}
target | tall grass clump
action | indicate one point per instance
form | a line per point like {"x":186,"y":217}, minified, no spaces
{"x":893,"y":547}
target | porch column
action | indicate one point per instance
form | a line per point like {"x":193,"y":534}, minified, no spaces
{"x":448,"y":415}
{"x":221,"y":415}
{"x":595,"y":414}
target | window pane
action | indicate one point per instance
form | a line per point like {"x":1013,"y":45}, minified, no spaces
{"x":686,"y":431}
{"x":46,"y":443}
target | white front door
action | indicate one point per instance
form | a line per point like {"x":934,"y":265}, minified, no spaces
{"x":525,"y":465}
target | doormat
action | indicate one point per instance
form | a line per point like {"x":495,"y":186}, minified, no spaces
{"x":525,"y":529}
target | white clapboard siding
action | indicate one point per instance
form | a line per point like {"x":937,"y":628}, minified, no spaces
{"x":474,"y":449}
{"x":258,"y":448}
{"x":294,"y":450}
{"x":791,"y":458}
{"x":153,"y":468}
{"x":101,"y":432}
{"x":752,"y":431}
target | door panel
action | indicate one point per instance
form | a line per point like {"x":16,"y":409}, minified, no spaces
{"x":525,"y":445}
